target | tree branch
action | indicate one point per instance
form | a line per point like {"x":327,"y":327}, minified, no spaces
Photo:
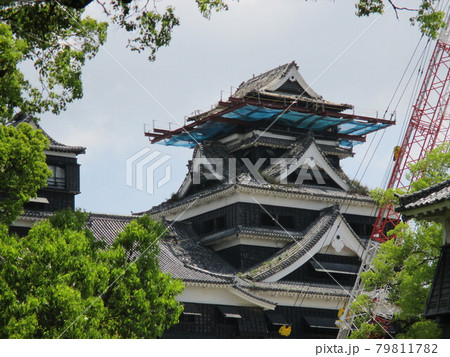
{"x":397,"y":8}
{"x":105,"y":10}
{"x":76,"y":4}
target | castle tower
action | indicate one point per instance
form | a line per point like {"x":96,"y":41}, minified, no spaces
{"x":266,"y":231}
{"x":61,"y":188}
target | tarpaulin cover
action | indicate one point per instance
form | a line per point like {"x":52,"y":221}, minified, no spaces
{"x":249,"y":113}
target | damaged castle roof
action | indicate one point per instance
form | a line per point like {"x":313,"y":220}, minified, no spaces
{"x":278,"y":97}
{"x":244,"y":180}
{"x":184,"y":258}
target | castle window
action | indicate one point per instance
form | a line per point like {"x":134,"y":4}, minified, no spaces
{"x":190,"y":313}
{"x":58,"y":180}
{"x":286,"y":221}
{"x":214,"y":224}
{"x":270,"y":220}
{"x":220,"y":222}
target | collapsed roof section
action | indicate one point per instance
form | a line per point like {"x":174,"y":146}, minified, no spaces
{"x":279,"y":99}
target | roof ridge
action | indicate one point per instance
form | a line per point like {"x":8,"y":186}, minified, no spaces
{"x":286,"y":66}
{"x":220,"y":275}
{"x":253,"y":295}
{"x":426,"y":190}
{"x":98,"y":215}
{"x":297,"y":151}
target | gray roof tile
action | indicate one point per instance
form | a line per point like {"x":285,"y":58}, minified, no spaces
{"x":107,"y":227}
{"x":170,"y":263}
{"x":426,"y":197}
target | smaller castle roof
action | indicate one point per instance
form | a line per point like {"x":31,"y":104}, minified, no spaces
{"x":54,"y":145}
{"x":418,"y":203}
{"x":106,"y":227}
{"x":432,"y":203}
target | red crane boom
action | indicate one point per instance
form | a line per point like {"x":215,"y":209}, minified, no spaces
{"x":428,"y":127}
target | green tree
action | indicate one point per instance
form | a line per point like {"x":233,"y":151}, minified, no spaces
{"x":407,"y":263}
{"x":57,"y":38}
{"x":431,"y":171}
{"x":59,"y":281}
{"x":407,"y":268}
{"x":22,"y":168}
{"x":429,"y":19}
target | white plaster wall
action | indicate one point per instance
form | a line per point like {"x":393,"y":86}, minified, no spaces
{"x":261,"y":242}
{"x":211,"y":295}
{"x":299,"y":300}
{"x":221,"y":296}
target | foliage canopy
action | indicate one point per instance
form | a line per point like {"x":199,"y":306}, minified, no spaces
{"x":59,"y":281}
{"x":57,"y":37}
{"x":429,"y":19}
{"x":407,"y":263}
{"x":22,"y":168}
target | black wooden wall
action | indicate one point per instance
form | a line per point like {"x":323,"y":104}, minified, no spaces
{"x":209,"y":322}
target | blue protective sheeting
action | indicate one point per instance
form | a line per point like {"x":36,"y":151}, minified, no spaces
{"x":250,"y":113}
{"x":349,"y":143}
{"x":204,"y":132}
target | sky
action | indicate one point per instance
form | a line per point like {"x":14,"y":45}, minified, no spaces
{"x":344,"y":58}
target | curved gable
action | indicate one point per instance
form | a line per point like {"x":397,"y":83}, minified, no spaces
{"x":330,"y":229}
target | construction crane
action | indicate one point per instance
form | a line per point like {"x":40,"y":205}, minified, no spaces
{"x":427,"y":128}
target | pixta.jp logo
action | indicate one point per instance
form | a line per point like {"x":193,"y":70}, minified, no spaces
{"x":149,"y":166}
{"x":284,"y":170}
